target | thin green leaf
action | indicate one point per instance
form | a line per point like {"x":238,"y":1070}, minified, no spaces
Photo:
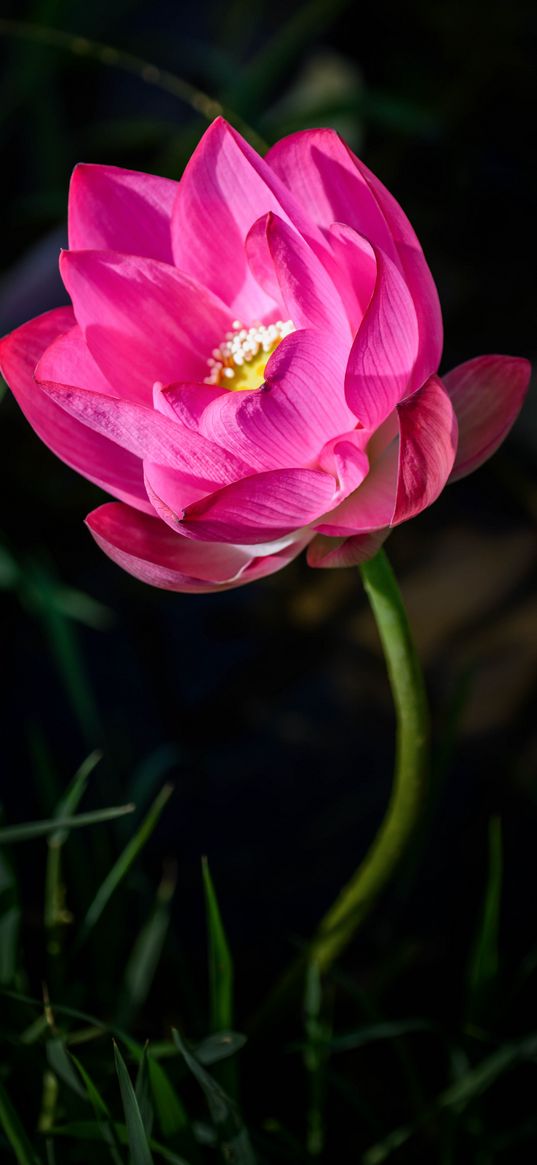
{"x":123,"y":864}
{"x":69,"y":802}
{"x":9,"y":921}
{"x":31,"y":829}
{"x":233,"y":1137}
{"x":170,"y":1112}
{"x":315,"y":1055}
{"x":220,"y":961}
{"x":56,"y":913}
{"x":372,"y":1033}
{"x":461,"y":1093}
{"x":219,"y":1047}
{"x":220,"y":1107}
{"x":140,"y":1153}
{"x":15,"y":1133}
{"x":60,"y":1062}
{"x":143,"y":1094}
{"x":102,"y":1112}
{"x":91,"y":1131}
{"x":484,"y":963}
{"x":146,"y":952}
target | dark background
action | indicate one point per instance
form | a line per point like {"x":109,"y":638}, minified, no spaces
{"x":268,"y":706}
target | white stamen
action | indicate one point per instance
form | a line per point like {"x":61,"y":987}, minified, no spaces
{"x":242,"y":345}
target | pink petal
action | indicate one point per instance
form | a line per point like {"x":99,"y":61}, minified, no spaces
{"x":142,"y":320}
{"x":487,"y":394}
{"x":335,"y":186}
{"x":68,"y":360}
{"x":113,"y":469}
{"x":384,"y":352}
{"x":427,"y":449}
{"x":147,"y":549}
{"x":357,"y":265}
{"x":121,"y":210}
{"x":288,"y":421}
{"x":337,"y":552}
{"x":325,"y":177}
{"x":301,"y":282}
{"x":263,"y":507}
{"x":371,"y":506}
{"x":148,"y":434}
{"x":226,"y":186}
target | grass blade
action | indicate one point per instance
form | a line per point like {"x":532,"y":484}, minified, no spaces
{"x":171,"y":1115}
{"x":219,"y":1047}
{"x":140,"y":1153}
{"x":232,"y":1135}
{"x":143,"y":1094}
{"x":69,"y":802}
{"x":9,"y":922}
{"x":461,"y":1093}
{"x":315,"y":1057}
{"x":15,"y":1133}
{"x":55,"y":912}
{"x":220,"y":961}
{"x":102,"y":1112}
{"x":31,"y":829}
{"x":146,"y":952}
{"x":484,"y":963}
{"x":123,"y":864}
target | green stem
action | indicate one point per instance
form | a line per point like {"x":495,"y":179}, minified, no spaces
{"x":411,"y":767}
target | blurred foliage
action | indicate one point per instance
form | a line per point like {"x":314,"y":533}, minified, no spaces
{"x":267,"y":708}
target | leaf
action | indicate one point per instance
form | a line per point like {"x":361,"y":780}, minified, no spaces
{"x":143,"y":1095}
{"x":389,"y":1030}
{"x":31,"y":829}
{"x":171,"y":1115}
{"x":462,"y":1092}
{"x":55,"y":913}
{"x":60,"y":1062}
{"x":15,"y":1133}
{"x":9,"y":921}
{"x":219,"y":1047}
{"x":123,"y":864}
{"x":233,"y":1137}
{"x":140,"y":1153}
{"x":146,"y":952}
{"x":91,"y":1131}
{"x":484,"y":963}
{"x":69,"y":802}
{"x":102,"y":1113}
{"x":220,"y":961}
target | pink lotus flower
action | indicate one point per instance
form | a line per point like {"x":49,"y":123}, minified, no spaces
{"x":251,"y":363}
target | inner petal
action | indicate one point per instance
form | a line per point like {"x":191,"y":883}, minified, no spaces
{"x":239,"y":362}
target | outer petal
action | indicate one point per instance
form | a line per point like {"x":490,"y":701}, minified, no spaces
{"x":261,"y":508}
{"x":146,"y":548}
{"x":336,"y":552}
{"x":301,"y":282}
{"x":487,"y":394}
{"x":224,"y":189}
{"x":371,"y":506}
{"x":336,"y":187}
{"x":385,"y":350}
{"x":288,"y":421}
{"x":121,"y":210}
{"x":68,"y":360}
{"x":149,"y":434}
{"x":90,"y":453}
{"x":427,"y":448}
{"x":142,"y":320}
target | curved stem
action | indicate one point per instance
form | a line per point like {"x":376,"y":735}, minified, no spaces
{"x":411,"y":767}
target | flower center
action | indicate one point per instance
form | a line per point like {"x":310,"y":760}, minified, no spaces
{"x":239,"y":362}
